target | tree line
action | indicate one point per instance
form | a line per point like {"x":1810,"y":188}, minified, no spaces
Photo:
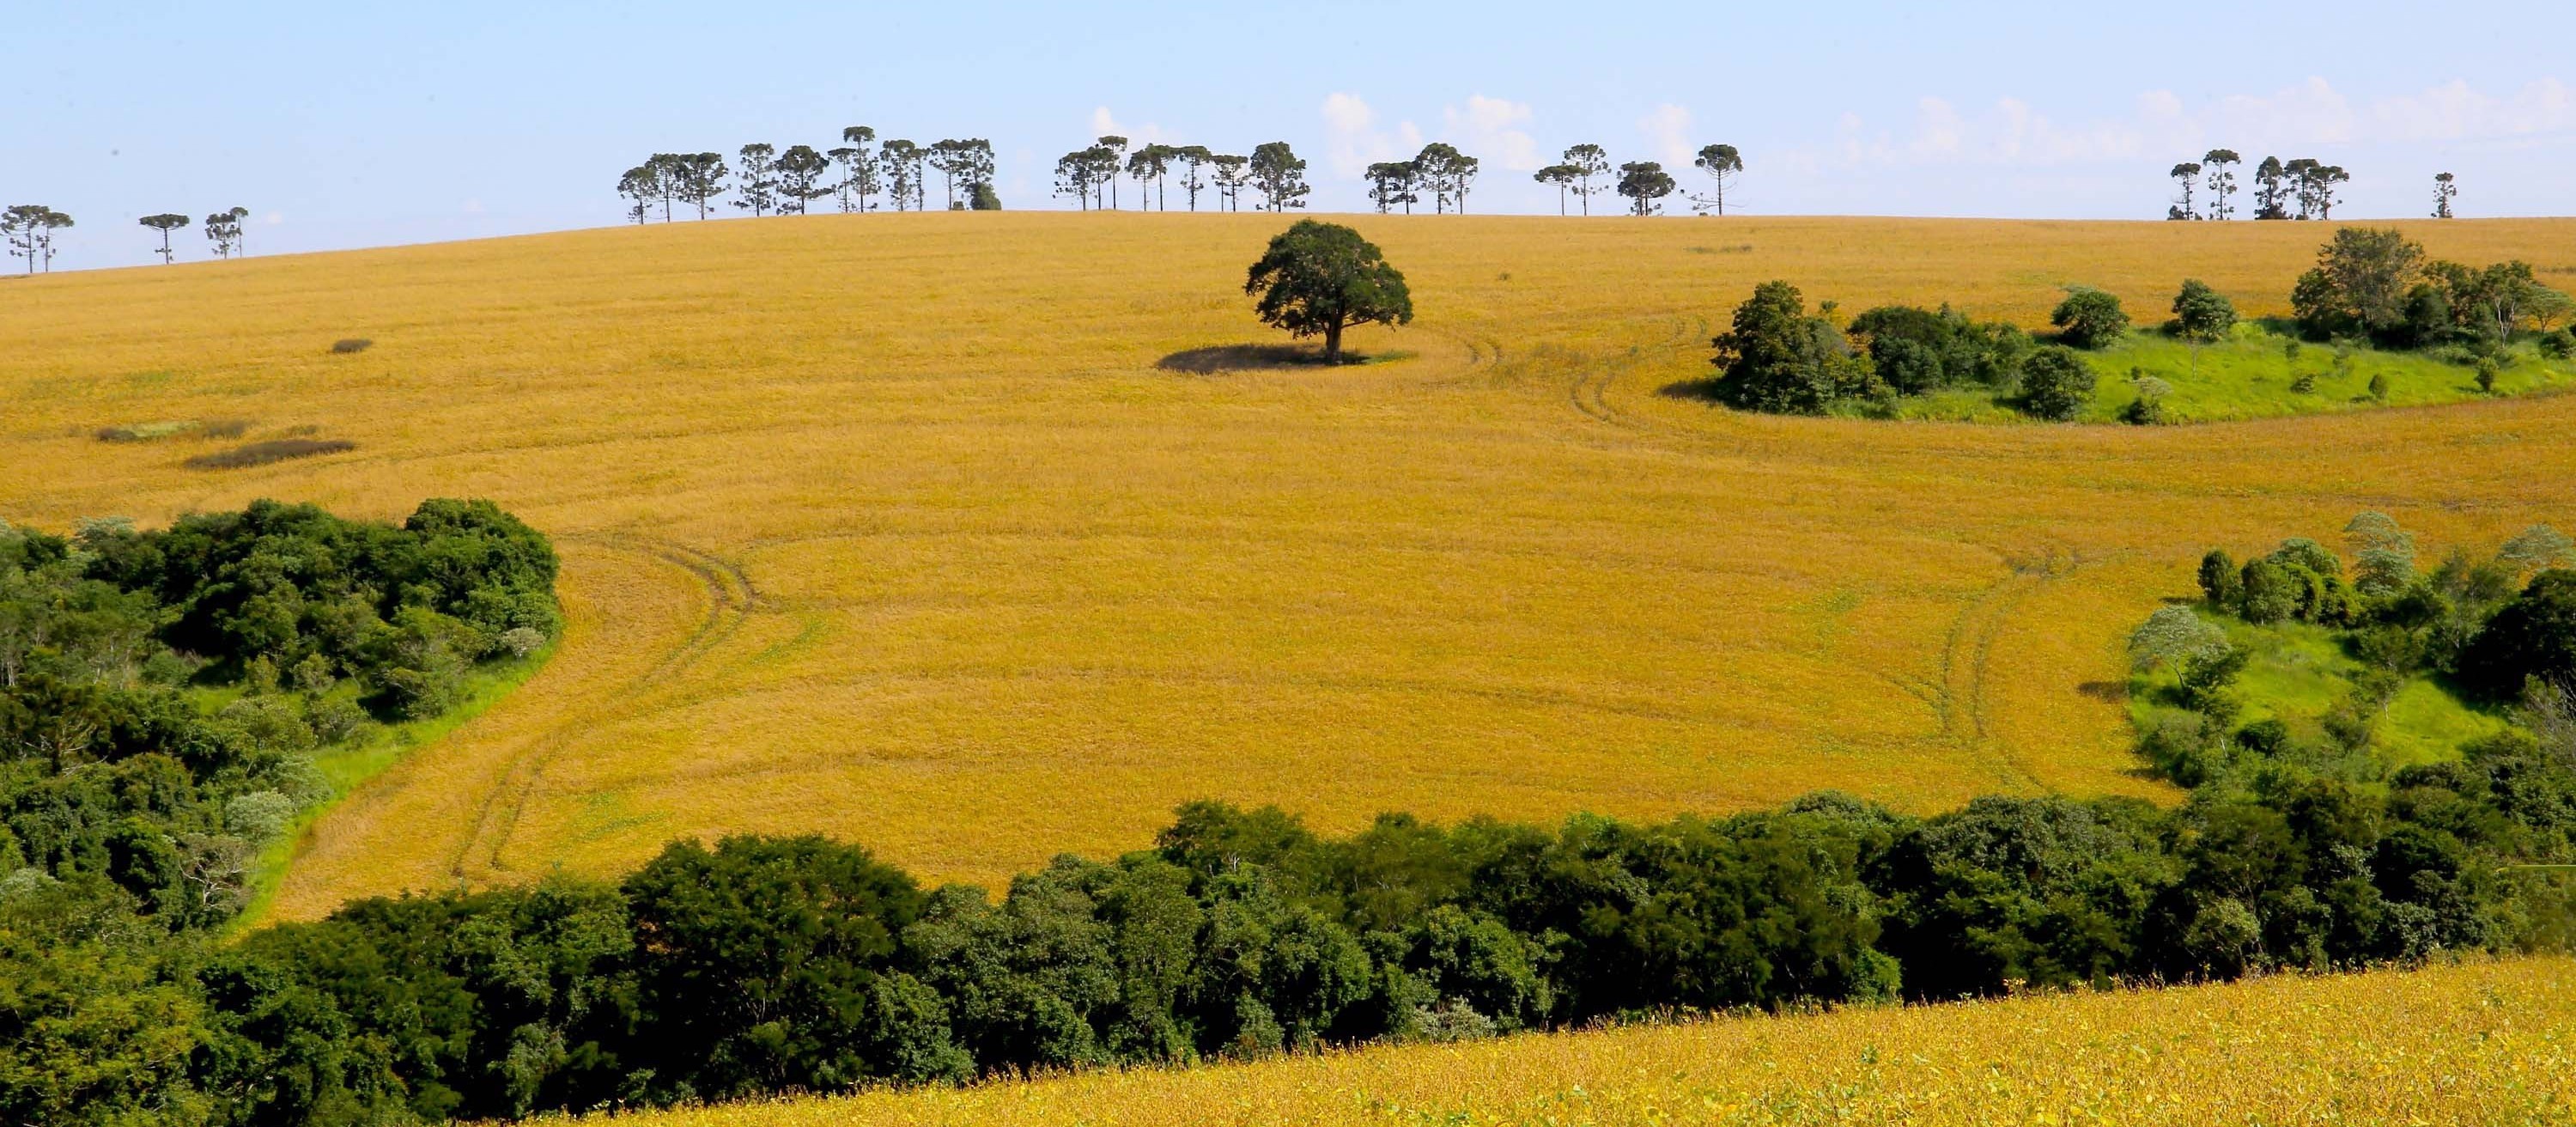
{"x":1089,"y":175}
{"x":29,"y":231}
{"x":1440,"y":175}
{"x":2300,"y":188}
{"x":765,"y":965}
{"x":853,"y":175}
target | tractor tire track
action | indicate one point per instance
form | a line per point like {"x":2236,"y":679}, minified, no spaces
{"x":1967,"y":660}
{"x":730,"y":599}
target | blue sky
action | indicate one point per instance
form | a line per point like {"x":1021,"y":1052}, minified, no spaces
{"x":344,"y":124}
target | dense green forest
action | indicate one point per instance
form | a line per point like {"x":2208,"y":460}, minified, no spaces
{"x":765,"y":965}
{"x":164,"y":697}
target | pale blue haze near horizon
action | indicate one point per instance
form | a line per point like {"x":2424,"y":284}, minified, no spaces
{"x":344,"y":125}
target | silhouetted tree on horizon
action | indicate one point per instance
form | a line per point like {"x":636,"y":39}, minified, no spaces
{"x":165,"y":223}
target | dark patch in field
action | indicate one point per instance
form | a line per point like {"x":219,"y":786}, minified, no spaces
{"x":264,"y":453}
{"x":351,"y":344}
{"x":1704,"y":391}
{"x":1244,"y":358}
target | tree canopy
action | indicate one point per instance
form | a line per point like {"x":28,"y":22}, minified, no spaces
{"x":1317,"y":279}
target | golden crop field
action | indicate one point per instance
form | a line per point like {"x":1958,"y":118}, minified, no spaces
{"x":2486,"y":1043}
{"x":898,"y":527}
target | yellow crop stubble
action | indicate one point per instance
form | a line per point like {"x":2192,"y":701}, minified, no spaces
{"x":2482,"y":1043}
{"x":890,"y":527}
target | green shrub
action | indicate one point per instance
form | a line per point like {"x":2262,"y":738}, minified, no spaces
{"x":2532,"y":638}
{"x":2056,"y":383}
{"x":2089,"y":318}
{"x":2202,"y":313}
{"x":1777,"y":358}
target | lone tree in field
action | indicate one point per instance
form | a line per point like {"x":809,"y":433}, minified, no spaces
{"x":1722,"y":163}
{"x":1589,"y":162}
{"x":2221,"y":164}
{"x":30,"y":229}
{"x":1644,"y":182}
{"x":165,"y":224}
{"x":2184,"y":174}
{"x":2445,"y":189}
{"x":1279,"y":174}
{"x":224,"y":229}
{"x":1318,"y":279}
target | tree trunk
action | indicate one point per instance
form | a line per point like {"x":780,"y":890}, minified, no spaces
{"x":1333,"y":343}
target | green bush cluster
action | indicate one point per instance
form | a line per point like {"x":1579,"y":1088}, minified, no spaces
{"x":292,"y":590}
{"x":119,"y":773}
{"x":2473,"y":621}
{"x":1780,"y":358}
{"x":1918,"y":350}
{"x":2376,"y":283}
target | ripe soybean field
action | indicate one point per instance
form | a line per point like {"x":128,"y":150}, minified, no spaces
{"x":978,"y":538}
{"x":2486,"y":1043}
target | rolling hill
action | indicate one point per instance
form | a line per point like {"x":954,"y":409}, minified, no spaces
{"x":980,"y":538}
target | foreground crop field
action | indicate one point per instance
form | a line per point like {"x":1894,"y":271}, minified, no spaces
{"x":949,"y":534}
{"x":2490,"y":1043}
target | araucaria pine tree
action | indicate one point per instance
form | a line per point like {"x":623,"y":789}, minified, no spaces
{"x":759,"y":191}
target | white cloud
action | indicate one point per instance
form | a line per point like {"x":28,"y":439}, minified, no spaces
{"x":2013,"y":132}
{"x":1485,"y":130}
{"x":1353,"y":141}
{"x":2310,"y":113}
{"x":2455,"y":112}
{"x":1106,"y":124}
{"x":1667,"y":132}
{"x":1940,"y":131}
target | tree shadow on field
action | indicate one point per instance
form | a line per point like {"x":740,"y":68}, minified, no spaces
{"x":1701,"y":391}
{"x":2108,"y":692}
{"x":1251,"y":358}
